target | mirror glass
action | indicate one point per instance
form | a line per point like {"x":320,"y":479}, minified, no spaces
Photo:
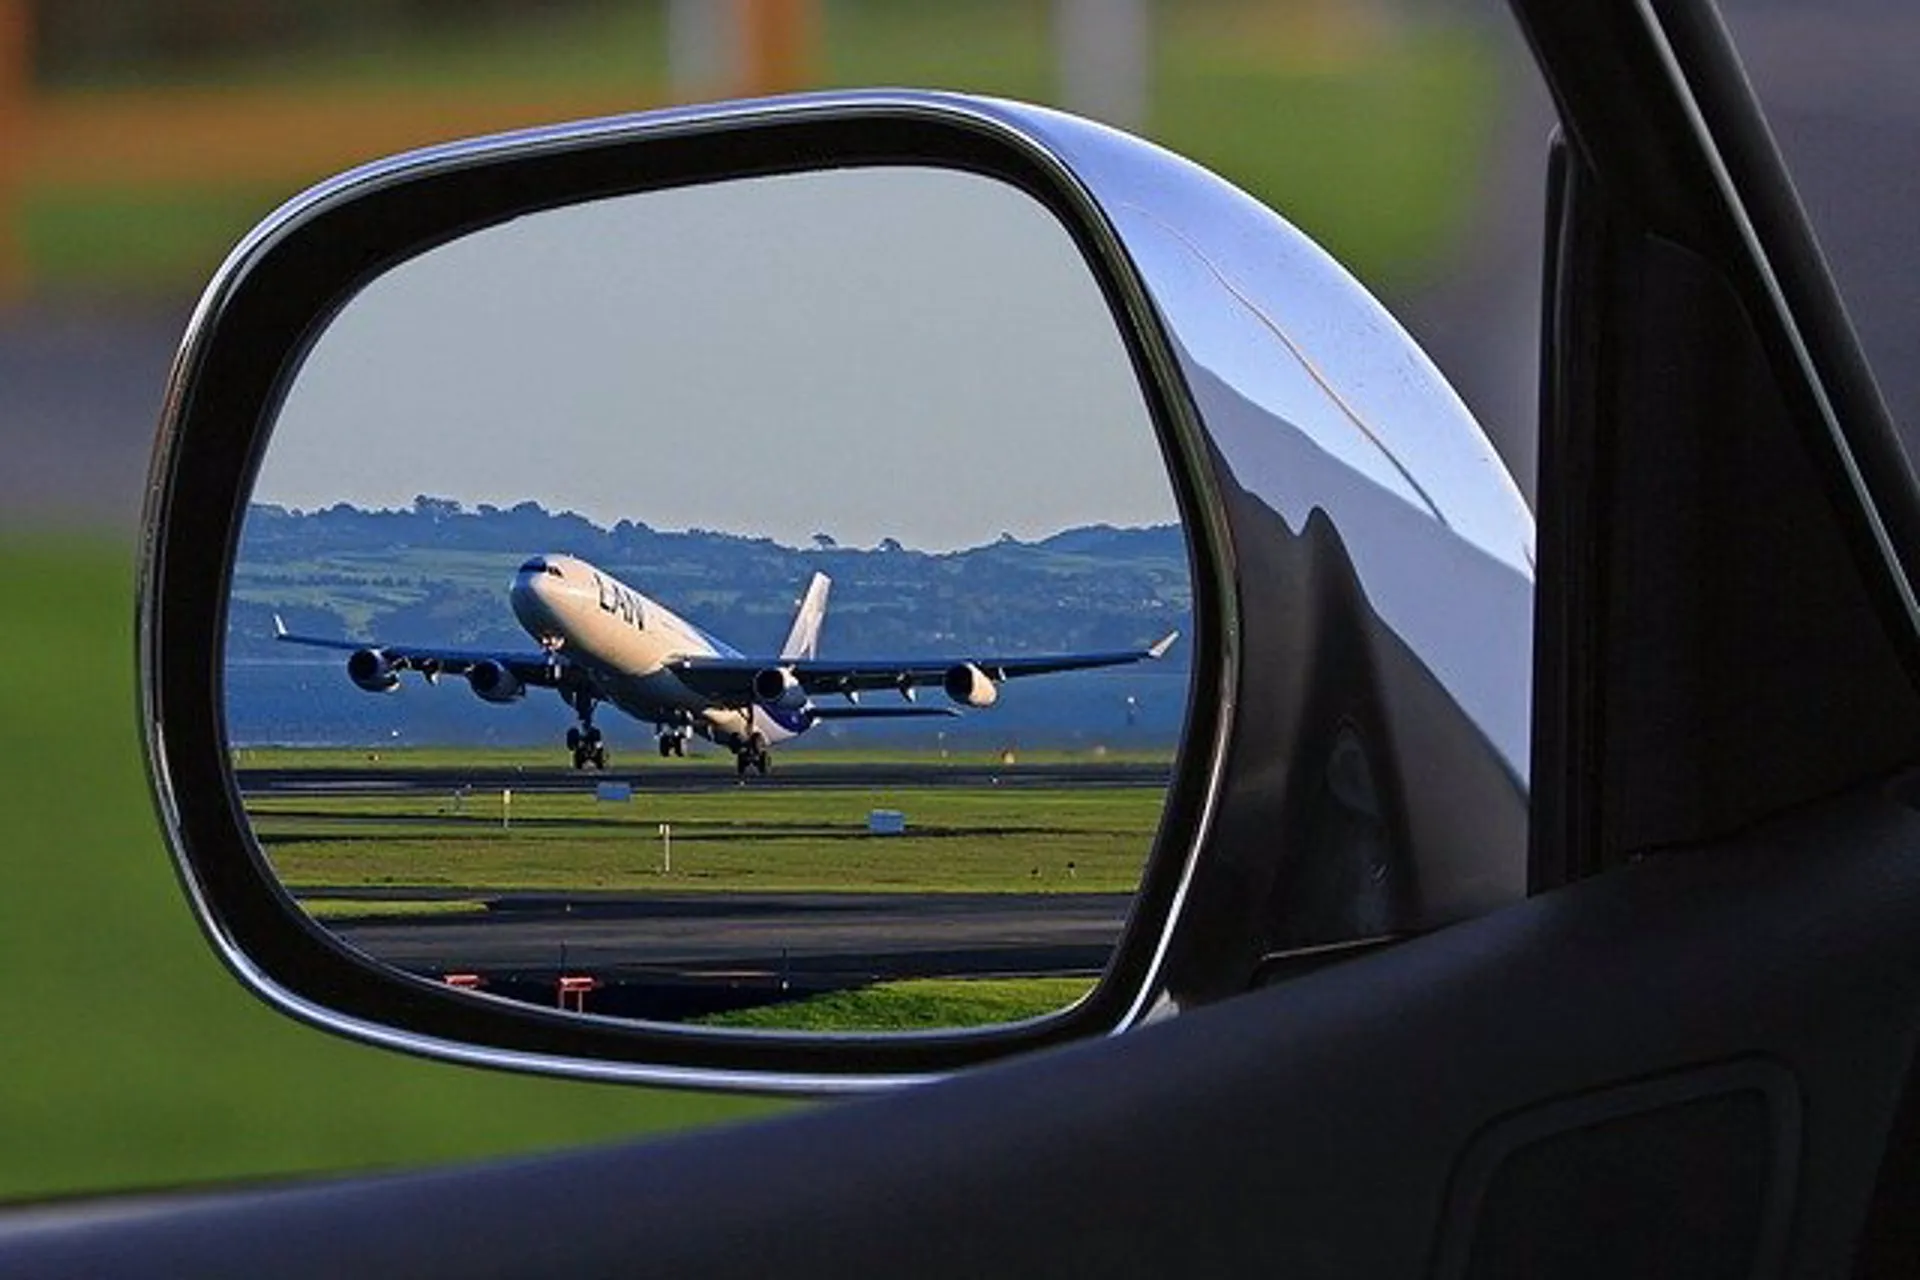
{"x":757,"y":604}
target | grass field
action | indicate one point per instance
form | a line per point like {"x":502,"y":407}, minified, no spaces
{"x":1370,"y":134}
{"x":130,"y":1057}
{"x":324,"y":908}
{"x":920,"y":1004}
{"x":957,"y":840}
{"x":735,"y":839}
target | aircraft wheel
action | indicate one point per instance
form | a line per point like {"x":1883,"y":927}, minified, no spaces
{"x":740,"y":763}
{"x":599,"y":757}
{"x":573,"y":739}
{"x":579,"y":758}
{"x":666,"y":746}
{"x":761,"y":764}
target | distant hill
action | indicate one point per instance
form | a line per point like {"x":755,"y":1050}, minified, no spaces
{"x":437,"y":573}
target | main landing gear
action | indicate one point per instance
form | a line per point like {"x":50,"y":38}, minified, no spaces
{"x":587,"y":747}
{"x":585,"y":741}
{"x":672,"y":743}
{"x":751,"y":755}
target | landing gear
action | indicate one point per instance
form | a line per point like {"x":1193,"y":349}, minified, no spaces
{"x":585,"y":741}
{"x":753,"y":755}
{"x":587,"y":748}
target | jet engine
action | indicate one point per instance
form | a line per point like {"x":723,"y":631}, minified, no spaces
{"x":493,"y":682}
{"x":370,"y":669}
{"x":969,"y":686}
{"x":776,"y":687}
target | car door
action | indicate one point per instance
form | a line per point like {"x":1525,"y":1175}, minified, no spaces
{"x":1688,"y":1052}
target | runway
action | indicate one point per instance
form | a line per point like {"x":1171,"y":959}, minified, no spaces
{"x":668,"y":954}
{"x":716,"y":774}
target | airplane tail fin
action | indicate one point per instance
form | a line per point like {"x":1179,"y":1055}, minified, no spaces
{"x":804,"y":639}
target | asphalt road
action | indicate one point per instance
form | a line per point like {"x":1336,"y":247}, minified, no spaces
{"x":673,"y":956}
{"x":832,"y":938}
{"x":717,"y":775}
{"x":82,"y":387}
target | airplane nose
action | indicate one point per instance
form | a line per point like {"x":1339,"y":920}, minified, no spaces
{"x":528,"y":597}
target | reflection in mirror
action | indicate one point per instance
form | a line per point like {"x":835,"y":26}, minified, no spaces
{"x":752,"y":604}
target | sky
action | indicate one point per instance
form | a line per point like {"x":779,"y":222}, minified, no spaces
{"x":900,"y":352}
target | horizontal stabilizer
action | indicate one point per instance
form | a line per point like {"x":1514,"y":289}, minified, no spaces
{"x":878,"y":713}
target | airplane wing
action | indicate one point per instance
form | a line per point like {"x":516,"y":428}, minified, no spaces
{"x":539,"y":670}
{"x":730,"y":679}
{"x":878,"y":713}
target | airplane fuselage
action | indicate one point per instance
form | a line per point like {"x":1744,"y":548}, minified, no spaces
{"x":603,"y":642}
{"x":627,"y":641}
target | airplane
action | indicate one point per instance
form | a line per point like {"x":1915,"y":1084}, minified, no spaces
{"x":601,"y":641}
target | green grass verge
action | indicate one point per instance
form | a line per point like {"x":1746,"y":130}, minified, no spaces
{"x":918,"y":1004}
{"x":1379,"y":156}
{"x":148,"y":241}
{"x":321,"y":908}
{"x":735,"y":839}
{"x":131,"y":1058}
{"x":1371,"y":137}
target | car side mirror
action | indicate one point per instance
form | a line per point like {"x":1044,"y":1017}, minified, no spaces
{"x":1343,"y":567}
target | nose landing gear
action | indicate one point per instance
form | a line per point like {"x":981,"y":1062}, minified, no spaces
{"x":585,"y":742}
{"x":673,"y":742}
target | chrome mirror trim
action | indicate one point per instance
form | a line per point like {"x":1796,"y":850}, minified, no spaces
{"x":1294,"y":398}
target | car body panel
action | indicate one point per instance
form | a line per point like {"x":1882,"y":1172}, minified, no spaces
{"x":1706,"y":1016}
